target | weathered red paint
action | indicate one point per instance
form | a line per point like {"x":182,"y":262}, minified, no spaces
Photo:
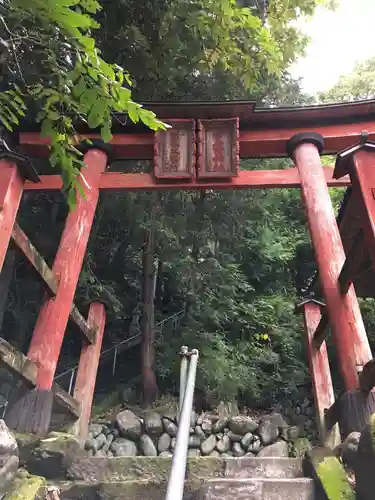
{"x":87,"y":370}
{"x":270,"y":142}
{"x":343,"y":310}
{"x":52,"y":320}
{"x":363,"y":179}
{"x":129,"y":146}
{"x":361,"y":170}
{"x":288,"y":178}
{"x":174,"y":151}
{"x":11,"y":189}
{"x":218,"y":148}
{"x":319,"y":367}
{"x":258,"y":140}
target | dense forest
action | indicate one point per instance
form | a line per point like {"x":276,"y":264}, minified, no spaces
{"x":232,"y":264}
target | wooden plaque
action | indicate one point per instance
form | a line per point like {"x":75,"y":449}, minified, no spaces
{"x":174,"y":150}
{"x":218,"y":148}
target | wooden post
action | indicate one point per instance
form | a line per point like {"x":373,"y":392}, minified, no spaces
{"x":343,"y":310}
{"x":87,"y":371}
{"x":11,"y":189}
{"x":360,"y":167}
{"x":320,"y":373}
{"x":49,"y":331}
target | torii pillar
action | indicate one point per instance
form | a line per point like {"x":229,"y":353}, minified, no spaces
{"x":15,"y":168}
{"x":320,"y":372}
{"x":34,"y":410}
{"x":359,"y":162}
{"x":343,"y":310}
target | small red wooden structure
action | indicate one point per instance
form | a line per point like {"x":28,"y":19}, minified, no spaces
{"x":218,"y":148}
{"x":202,"y":151}
{"x":174,"y":151}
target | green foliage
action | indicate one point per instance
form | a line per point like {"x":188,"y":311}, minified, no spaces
{"x":71,"y":81}
{"x":234,"y":38}
{"x":204,"y":49}
{"x":240,"y":296}
{"x":355,"y":86}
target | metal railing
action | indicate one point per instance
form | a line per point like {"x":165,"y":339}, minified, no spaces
{"x":189,"y":361}
{"x":115,"y":349}
{"x":174,"y":319}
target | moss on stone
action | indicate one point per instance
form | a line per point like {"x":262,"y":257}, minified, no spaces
{"x":26,"y":488}
{"x":58,"y":442}
{"x":148,"y":468}
{"x":134,"y":468}
{"x":124,"y":490}
{"x":26,"y":440}
{"x":300,"y":447}
{"x":334,"y":479}
{"x":27,"y":443}
{"x":205,"y":467}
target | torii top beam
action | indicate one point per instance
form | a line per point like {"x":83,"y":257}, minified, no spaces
{"x":263,"y":133}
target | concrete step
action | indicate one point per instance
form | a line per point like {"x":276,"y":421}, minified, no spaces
{"x":267,"y":468}
{"x":213,"y":489}
{"x":128,"y":468}
{"x":256,"y":489}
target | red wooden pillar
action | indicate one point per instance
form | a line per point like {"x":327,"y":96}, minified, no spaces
{"x":343,"y":310}
{"x":359,"y":163}
{"x":49,"y":331}
{"x":52,"y":320}
{"x":87,"y":371}
{"x":11,"y":189}
{"x":320,"y":372}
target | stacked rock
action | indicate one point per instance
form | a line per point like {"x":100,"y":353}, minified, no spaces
{"x":8,"y":458}
{"x":302,"y":415}
{"x":155,"y":435}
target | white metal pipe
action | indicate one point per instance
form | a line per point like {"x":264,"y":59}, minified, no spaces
{"x":183,"y":375}
{"x":71,"y":381}
{"x":176,"y":480}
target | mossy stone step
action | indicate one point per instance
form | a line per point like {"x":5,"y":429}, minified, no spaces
{"x":215,"y":489}
{"x":141,"y":489}
{"x":26,"y":488}
{"x":102,"y":469}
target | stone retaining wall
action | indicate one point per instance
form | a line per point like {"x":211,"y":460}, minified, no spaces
{"x":155,"y":435}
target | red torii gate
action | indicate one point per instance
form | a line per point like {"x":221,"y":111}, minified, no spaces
{"x":202,"y":151}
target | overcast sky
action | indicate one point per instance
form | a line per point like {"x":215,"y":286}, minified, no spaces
{"x":339,"y":39}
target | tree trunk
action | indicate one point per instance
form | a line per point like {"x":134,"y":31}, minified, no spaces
{"x":150,"y":388}
{"x":195,"y":251}
{"x":159,"y":289}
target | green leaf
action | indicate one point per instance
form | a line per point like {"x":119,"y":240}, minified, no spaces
{"x":105,"y":132}
{"x":72,"y":198}
{"x":54,"y":159}
{"x":5,"y":121}
{"x":52,"y":115}
{"x":91,"y":6}
{"x":46,"y":128}
{"x":79,"y":87}
{"x":133,"y":111}
{"x":95,"y":117}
